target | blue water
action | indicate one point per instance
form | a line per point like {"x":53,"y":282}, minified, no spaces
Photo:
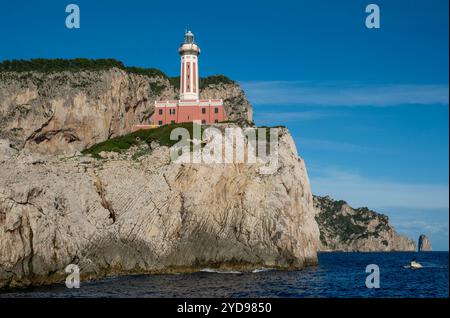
{"x":337,"y":275}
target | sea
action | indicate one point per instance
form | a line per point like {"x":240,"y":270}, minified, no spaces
{"x":338,"y":275}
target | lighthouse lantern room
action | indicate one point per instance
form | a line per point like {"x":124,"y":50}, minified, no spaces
{"x":189,"y":107}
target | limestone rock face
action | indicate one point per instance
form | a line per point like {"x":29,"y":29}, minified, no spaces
{"x":5,"y":150}
{"x":235,"y":103}
{"x":124,"y":215}
{"x":343,"y":228}
{"x":65,"y":112}
{"x":424,"y":244}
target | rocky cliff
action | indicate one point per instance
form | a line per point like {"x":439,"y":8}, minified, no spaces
{"x":343,"y":228}
{"x":135,"y":211}
{"x":66,"y":111}
{"x":424,"y":244}
{"x":138,"y":212}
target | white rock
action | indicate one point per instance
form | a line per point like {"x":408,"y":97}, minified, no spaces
{"x":153,"y":216}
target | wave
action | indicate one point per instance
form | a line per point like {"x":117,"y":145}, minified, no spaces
{"x":216,"y":271}
{"x":260,"y":270}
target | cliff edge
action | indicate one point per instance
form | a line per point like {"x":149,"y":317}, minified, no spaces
{"x":138,"y":212}
{"x":55,"y":112}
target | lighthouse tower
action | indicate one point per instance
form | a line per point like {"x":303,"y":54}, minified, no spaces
{"x":189,"y":107}
{"x":189,"y":52}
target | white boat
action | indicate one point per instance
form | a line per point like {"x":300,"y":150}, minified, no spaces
{"x":415,"y":265}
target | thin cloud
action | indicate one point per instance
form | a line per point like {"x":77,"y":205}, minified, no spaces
{"x":431,"y":227}
{"x":343,"y":94}
{"x":361,"y":191}
{"x":414,"y":222}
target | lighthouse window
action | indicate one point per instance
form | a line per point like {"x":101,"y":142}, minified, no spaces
{"x":203,"y":110}
{"x":216,"y":110}
{"x":160,"y":111}
{"x":216,"y":121}
{"x":172,"y":111}
{"x":203,"y":121}
{"x":160,"y":122}
{"x":172,"y":122}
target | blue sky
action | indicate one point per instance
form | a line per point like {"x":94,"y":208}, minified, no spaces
{"x":368,"y":108}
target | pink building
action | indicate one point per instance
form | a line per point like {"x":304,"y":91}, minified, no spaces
{"x":189,"y":107}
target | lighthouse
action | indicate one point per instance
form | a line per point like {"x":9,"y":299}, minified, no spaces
{"x":189,"y":52}
{"x":189,"y":107}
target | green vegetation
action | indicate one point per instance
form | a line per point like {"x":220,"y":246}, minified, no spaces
{"x":82,"y":64}
{"x":150,"y":72}
{"x":323,"y":239}
{"x":277,"y":126}
{"x":74,"y":65}
{"x":175,"y":81}
{"x":348,"y":226}
{"x":343,"y":226}
{"x":141,"y":153}
{"x":147,"y":136}
{"x":204,"y":82}
{"x":58,"y":65}
{"x":122,"y":143}
{"x":157,"y":88}
{"x":214,"y":79}
{"x":382,"y":226}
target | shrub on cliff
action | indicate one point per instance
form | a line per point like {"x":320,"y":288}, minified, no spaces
{"x":214,"y":79}
{"x":74,"y":65}
{"x":58,"y":65}
{"x":122,"y":143}
{"x":150,"y":72}
{"x":204,"y":82}
{"x":80,"y":64}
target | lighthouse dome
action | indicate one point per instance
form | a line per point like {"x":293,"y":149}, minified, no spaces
{"x":189,"y":46}
{"x":189,"y":37}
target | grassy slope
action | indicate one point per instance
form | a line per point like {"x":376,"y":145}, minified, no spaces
{"x":122,"y":143}
{"x":160,"y":134}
